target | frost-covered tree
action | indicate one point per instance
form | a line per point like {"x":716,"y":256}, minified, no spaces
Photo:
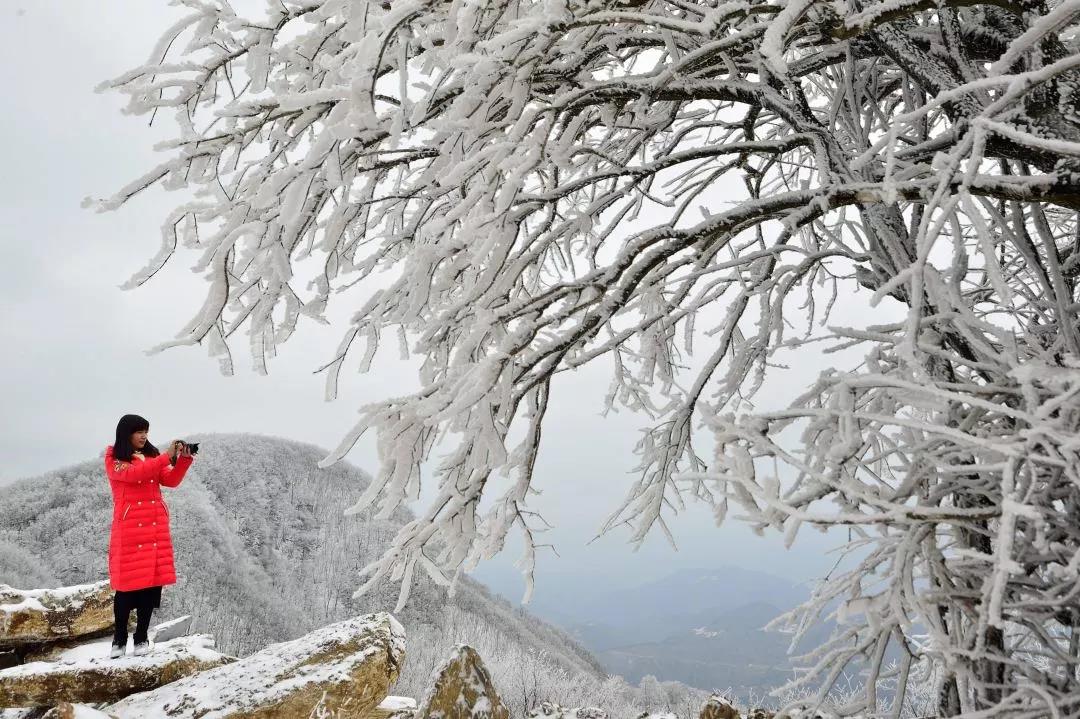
{"x":660,"y":183}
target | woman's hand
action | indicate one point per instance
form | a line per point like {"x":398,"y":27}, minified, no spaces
{"x":186,"y":451}
{"x":174,"y":449}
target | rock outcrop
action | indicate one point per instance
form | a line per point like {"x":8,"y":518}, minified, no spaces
{"x":55,"y":664}
{"x":86,"y":674}
{"x":52,"y":653}
{"x":37,"y":616}
{"x":179,"y":627}
{"x":463,"y":690}
{"x":718,"y":707}
{"x":343,"y":670}
{"x":160,"y":633}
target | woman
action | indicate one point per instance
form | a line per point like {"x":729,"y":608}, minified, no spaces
{"x":140,"y":547}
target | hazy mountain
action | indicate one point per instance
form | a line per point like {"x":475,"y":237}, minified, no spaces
{"x":684,"y":599}
{"x":704,"y":627}
{"x":648,"y":611}
{"x":732,"y":650}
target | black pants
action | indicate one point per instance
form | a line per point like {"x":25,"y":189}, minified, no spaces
{"x":144,"y":602}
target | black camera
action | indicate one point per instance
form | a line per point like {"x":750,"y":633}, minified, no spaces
{"x":193,"y":447}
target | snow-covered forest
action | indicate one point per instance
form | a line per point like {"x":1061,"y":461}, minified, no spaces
{"x":683,"y":190}
{"x":263,"y":560}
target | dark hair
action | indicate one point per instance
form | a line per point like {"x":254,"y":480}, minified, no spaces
{"x":128,"y":425}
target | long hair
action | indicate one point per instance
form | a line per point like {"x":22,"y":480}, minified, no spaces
{"x":128,"y":425}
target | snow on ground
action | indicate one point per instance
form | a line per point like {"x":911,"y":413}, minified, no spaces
{"x":268,"y":676}
{"x":392,"y":703}
{"x":96,"y":655}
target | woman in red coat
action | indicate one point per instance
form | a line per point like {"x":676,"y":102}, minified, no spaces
{"x":140,"y":546}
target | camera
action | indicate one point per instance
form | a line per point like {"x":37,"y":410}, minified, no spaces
{"x":193,"y":447}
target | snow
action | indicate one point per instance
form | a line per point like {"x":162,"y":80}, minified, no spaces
{"x":27,"y":604}
{"x":17,"y":600}
{"x":84,"y":712}
{"x":80,"y":711}
{"x":273,"y":673}
{"x":95,"y":655}
{"x":16,"y":604}
{"x":194,"y":644}
{"x":171,"y":629}
{"x":393,"y":703}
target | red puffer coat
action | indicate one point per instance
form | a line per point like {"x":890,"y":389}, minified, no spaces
{"x":140,"y":547}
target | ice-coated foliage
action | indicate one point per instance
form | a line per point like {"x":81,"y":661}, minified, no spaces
{"x":550,"y":182}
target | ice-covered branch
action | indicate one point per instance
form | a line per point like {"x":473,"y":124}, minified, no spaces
{"x":515,"y":189}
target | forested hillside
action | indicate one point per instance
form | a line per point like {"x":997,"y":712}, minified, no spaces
{"x":264,"y":553}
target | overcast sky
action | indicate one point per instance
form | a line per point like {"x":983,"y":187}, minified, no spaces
{"x":73,"y":343}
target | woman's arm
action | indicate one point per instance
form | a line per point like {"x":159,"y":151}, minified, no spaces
{"x":172,"y":475}
{"x":134,"y":472}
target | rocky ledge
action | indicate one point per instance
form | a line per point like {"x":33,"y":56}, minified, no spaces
{"x":54,"y":664}
{"x":57,"y":666}
{"x":342,"y":670}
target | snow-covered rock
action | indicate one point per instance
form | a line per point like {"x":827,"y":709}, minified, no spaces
{"x":172,"y":629}
{"x":86,"y":673}
{"x":718,"y":707}
{"x":67,"y":710}
{"x":342,"y":670}
{"x":463,"y":690}
{"x":393,"y":708}
{"x":69,"y":649}
{"x":34,"y":616}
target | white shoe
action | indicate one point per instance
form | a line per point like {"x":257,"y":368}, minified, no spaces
{"x":142,"y":648}
{"x":117,"y":650}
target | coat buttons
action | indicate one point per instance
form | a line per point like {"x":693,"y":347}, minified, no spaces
{"x":139,"y":547}
{"x":140,"y":501}
{"x":140,"y":524}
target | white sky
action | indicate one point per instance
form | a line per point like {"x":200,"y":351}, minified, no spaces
{"x":73,"y":342}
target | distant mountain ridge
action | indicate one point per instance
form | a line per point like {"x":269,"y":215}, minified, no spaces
{"x":263,"y":553}
{"x":687,"y":597}
{"x":700,"y":626}
{"x":731,"y":650}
